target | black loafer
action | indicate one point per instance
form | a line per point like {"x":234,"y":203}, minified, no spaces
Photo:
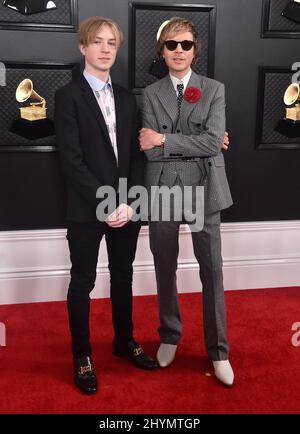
{"x":84,"y":375}
{"x":136,"y":353}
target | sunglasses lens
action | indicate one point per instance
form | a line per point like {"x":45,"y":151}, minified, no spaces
{"x":172,"y":45}
{"x":187,"y":45}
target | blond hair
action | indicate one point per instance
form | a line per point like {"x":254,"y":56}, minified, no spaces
{"x":89,"y":28}
{"x":177,"y":25}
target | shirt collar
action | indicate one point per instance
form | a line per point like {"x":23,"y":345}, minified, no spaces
{"x":95,"y":83}
{"x":184,"y":80}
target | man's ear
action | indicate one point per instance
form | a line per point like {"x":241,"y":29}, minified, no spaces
{"x":82,"y":49}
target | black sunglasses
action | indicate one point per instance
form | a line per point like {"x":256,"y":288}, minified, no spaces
{"x":172,"y":45}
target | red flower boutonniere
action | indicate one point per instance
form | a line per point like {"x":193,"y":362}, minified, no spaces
{"x":192,"y":94}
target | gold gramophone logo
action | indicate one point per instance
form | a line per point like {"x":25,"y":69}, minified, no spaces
{"x":35,"y":110}
{"x":32,"y":123}
{"x":291,"y":99}
{"x":289,"y":126}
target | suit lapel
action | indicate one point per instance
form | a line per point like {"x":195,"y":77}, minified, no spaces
{"x":90,"y":98}
{"x":188,"y":107}
{"x":168,"y":98}
{"x":120,"y":127}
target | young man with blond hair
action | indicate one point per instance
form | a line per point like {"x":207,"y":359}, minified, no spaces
{"x":184,"y":127}
{"x":96,"y":129}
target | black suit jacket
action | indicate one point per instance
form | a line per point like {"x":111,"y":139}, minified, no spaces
{"x":87,"y":157}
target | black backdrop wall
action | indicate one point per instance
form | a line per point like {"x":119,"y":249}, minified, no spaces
{"x":265,"y":183}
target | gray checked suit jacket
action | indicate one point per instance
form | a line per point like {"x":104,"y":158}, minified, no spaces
{"x":193,"y":142}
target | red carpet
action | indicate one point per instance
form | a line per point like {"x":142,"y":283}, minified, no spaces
{"x":36,"y":370}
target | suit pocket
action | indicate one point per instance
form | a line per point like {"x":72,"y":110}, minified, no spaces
{"x":219,"y":160}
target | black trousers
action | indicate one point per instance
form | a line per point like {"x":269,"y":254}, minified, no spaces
{"x":84,"y":241}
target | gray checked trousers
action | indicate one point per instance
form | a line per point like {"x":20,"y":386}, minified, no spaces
{"x":207,"y":249}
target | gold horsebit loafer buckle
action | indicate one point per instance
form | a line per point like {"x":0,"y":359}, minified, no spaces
{"x":85,"y":369}
{"x":137,"y":351}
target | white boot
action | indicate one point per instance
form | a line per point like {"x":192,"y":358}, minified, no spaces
{"x":166,"y":354}
{"x":224,"y":372}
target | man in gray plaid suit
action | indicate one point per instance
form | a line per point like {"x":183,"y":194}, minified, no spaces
{"x":182,"y":137}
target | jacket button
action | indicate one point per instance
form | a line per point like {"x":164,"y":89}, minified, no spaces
{"x":164,"y":127}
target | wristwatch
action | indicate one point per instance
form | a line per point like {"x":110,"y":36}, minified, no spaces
{"x":163,"y":140}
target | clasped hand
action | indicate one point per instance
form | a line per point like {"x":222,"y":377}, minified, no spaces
{"x":120,"y":216}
